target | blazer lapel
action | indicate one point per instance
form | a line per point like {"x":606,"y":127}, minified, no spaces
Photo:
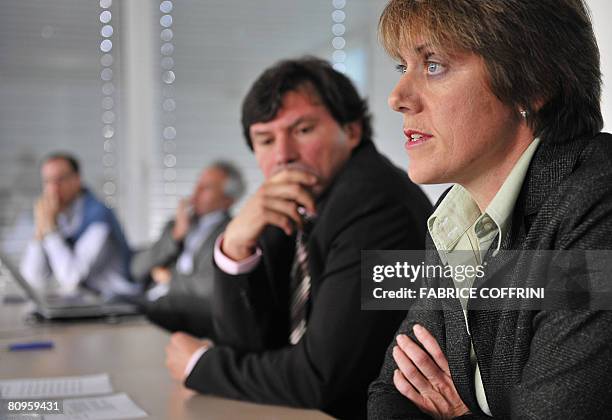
{"x":454,"y":339}
{"x":458,"y":351}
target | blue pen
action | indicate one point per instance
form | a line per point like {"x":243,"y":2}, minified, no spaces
{"x":33,"y":345}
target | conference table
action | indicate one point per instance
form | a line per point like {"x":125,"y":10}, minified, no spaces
{"x":132,"y":352}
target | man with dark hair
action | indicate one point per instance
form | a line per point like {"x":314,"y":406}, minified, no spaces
{"x":287,"y":289}
{"x":180,"y":261}
{"x":78,"y":240}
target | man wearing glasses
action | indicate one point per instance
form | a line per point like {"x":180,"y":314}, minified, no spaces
{"x":78,"y":240}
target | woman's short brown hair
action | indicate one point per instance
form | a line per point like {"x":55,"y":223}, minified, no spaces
{"x":541,"y":55}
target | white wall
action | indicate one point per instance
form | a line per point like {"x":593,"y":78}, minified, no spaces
{"x":601,"y":13}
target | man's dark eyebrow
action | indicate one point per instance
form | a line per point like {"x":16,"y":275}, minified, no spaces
{"x":300,"y":120}
{"x":260,"y":133}
{"x":305,"y":118}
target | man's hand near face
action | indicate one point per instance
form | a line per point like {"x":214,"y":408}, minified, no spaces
{"x":46,"y":210}
{"x":182,"y":220}
{"x":275,"y":203}
{"x":161,"y":275}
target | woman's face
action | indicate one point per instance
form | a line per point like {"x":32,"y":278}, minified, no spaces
{"x":455,"y":129}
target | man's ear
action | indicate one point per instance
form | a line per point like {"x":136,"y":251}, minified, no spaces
{"x":353,"y":133}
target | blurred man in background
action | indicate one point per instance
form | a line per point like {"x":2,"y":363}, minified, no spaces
{"x":180,"y":262}
{"x":78,"y":240}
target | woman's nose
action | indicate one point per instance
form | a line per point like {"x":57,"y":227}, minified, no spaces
{"x":405,"y":96}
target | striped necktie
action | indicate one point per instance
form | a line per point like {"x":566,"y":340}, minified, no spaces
{"x":300,"y":286}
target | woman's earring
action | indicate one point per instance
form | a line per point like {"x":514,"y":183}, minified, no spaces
{"x":524,"y":113}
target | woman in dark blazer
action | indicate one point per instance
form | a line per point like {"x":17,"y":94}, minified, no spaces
{"x":502,"y":98}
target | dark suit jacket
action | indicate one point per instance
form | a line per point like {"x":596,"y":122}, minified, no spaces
{"x":536,"y":364}
{"x":371,"y":205}
{"x":187,"y":305}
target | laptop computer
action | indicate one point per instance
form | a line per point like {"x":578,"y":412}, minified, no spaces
{"x":85,"y":304}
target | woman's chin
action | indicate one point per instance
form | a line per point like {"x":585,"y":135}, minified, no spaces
{"x":420,"y":175}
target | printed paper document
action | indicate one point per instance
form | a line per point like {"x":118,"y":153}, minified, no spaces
{"x":68,"y":386}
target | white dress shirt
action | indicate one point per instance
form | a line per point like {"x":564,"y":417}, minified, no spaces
{"x":94,"y":259}
{"x":196,"y":236}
